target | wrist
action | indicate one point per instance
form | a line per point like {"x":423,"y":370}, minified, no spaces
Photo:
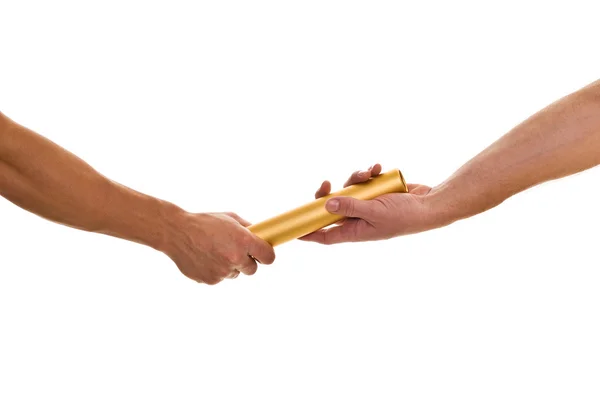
{"x":169,"y":220}
{"x":452,"y":200}
{"x":444,"y":205}
{"x":182,"y":232}
{"x":139,"y":218}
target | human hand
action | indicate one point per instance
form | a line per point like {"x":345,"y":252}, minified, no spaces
{"x":382,"y":218}
{"x":210,"y":247}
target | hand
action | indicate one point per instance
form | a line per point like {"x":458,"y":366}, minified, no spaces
{"x":210,"y":247}
{"x":385,"y":217}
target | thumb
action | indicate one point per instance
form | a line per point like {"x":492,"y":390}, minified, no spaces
{"x":349,"y":207}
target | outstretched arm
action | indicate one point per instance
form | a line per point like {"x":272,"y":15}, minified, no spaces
{"x":39,"y":176}
{"x":560,"y":140}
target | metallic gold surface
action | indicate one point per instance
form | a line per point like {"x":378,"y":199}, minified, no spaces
{"x":313,"y":216}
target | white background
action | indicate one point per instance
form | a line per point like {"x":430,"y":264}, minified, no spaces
{"x":247,"y":106}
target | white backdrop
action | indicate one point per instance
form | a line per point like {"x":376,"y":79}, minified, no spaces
{"x":247,"y":106}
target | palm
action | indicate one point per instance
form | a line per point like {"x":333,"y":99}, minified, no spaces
{"x":384,"y":217}
{"x":399,"y":213}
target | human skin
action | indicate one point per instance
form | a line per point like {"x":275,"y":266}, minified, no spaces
{"x":41,"y":177}
{"x":559,"y":140}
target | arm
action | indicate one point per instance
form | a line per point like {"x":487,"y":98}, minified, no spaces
{"x":560,"y":140}
{"x":41,"y":177}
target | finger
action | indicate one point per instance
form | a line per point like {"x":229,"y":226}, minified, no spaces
{"x":337,"y":223}
{"x":313,"y":236}
{"x":234,"y":274}
{"x":239,"y":219}
{"x":376,"y":169}
{"x":323,"y":190}
{"x":262,"y":251}
{"x":363,"y":176}
{"x":249,"y":266}
{"x":341,"y":221}
{"x":211,"y":281}
{"x":358,"y":177}
{"x":351,"y":231}
{"x":350,"y":207}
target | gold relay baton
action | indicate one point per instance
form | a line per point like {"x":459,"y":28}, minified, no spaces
{"x":313,"y":216}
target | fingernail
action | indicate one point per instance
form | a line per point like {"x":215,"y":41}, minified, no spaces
{"x":333,"y":205}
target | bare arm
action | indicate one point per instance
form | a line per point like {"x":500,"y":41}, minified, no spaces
{"x":38,"y":175}
{"x":560,"y":140}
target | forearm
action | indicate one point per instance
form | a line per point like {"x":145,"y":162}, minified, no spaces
{"x":41,"y":177}
{"x":560,"y":140}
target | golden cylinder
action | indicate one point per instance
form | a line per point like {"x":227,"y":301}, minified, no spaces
{"x":313,"y":216}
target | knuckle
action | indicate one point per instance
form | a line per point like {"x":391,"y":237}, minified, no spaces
{"x":224,"y":272}
{"x":235,"y":259}
{"x":245,"y":240}
{"x":212,"y":281}
{"x":250,"y":270}
{"x":232,"y":257}
{"x":270,"y":257}
{"x":348,"y":206}
{"x":193,"y":274}
{"x":232,"y":214}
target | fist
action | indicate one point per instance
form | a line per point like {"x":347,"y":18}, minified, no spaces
{"x":210,"y":247}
